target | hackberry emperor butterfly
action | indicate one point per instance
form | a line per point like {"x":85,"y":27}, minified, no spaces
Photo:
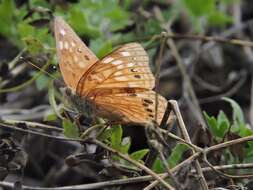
{"x":118,"y":87}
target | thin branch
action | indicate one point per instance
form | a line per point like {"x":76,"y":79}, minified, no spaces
{"x":120,"y":182}
{"x":135,"y":163}
{"x":187,"y":139}
{"x":224,"y":174}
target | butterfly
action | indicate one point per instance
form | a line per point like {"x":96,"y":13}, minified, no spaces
{"x":118,"y":87}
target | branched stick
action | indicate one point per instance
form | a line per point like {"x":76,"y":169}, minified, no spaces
{"x":224,"y":174}
{"x":187,"y":138}
{"x":196,"y":155}
{"x":119,"y":182}
{"x":185,"y":134}
{"x":135,"y":163}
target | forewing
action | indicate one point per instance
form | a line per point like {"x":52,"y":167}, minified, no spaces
{"x":136,"y":107}
{"x":73,"y":55}
{"x":126,"y":67}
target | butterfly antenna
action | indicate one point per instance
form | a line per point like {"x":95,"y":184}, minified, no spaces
{"x":42,"y":70}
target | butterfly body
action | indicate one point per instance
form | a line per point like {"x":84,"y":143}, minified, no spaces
{"x":90,"y":109}
{"x":118,"y":87}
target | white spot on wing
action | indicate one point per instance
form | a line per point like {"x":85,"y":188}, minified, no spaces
{"x":73,"y":44}
{"x":62,"y":32}
{"x":60,"y":44}
{"x":117,"y":62}
{"x":81,"y":64}
{"x":132,"y":84}
{"x":107,"y":60}
{"x":130,"y":64}
{"x":122,"y":78}
{"x":125,"y":53}
{"x":75,"y":58}
{"x":121,"y":67}
{"x":66,"y":45}
{"x":118,"y":73}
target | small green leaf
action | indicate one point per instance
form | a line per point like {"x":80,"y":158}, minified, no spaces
{"x":139,"y":155}
{"x":223,"y":124}
{"x":212,"y":124}
{"x":176,"y":154}
{"x":50,"y":117}
{"x":51,"y":98}
{"x":104,"y":49}
{"x":158,"y":166}
{"x":34,"y":46}
{"x":70,"y":130}
{"x":25,"y":30}
{"x":105,"y":135}
{"x":219,"y":19}
{"x":78,"y":20}
{"x":42,"y":82}
{"x":7,"y":10}
{"x":199,"y":7}
{"x":125,"y":145}
{"x":223,"y":129}
{"x":222,"y":117}
{"x":116,"y":137}
{"x":237,"y":111}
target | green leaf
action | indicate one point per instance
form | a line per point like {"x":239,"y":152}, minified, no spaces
{"x":152,"y":27}
{"x":7,"y":10}
{"x":105,"y":48}
{"x":237,"y":111}
{"x":42,"y":82}
{"x":176,"y":154}
{"x":158,"y":166}
{"x":223,"y":124}
{"x":33,"y":45}
{"x":101,"y":47}
{"x":25,"y":30}
{"x":78,"y":20}
{"x":199,"y":7}
{"x":50,"y":117}
{"x":139,"y":155}
{"x":116,"y":137}
{"x":223,"y":129}
{"x":105,"y":135}
{"x":51,"y":98}
{"x":219,"y":19}
{"x":125,"y":145}
{"x":118,"y":18}
{"x":70,"y":130}
{"x":222,"y":117}
{"x":212,"y":124}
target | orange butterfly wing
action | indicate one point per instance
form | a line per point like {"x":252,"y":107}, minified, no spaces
{"x":126,"y":67}
{"x":119,"y":86}
{"x":74,"y":56}
{"x":138,"y":108}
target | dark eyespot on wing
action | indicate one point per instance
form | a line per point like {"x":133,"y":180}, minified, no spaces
{"x":149,"y":110}
{"x":137,"y":76}
{"x":148,"y":101}
{"x":86,"y":57}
